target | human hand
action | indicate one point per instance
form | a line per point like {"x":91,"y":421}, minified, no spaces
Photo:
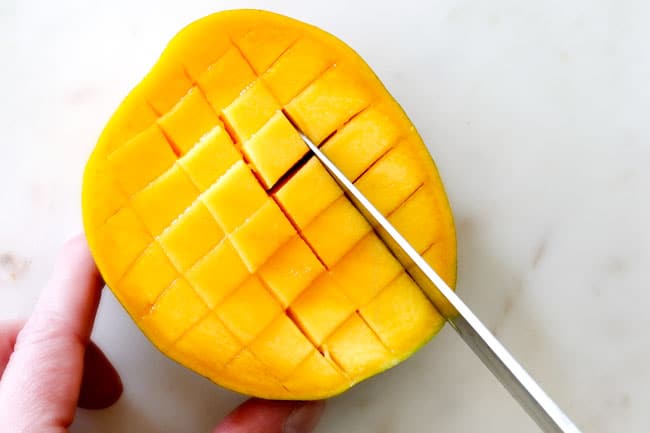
{"x":49,"y":366}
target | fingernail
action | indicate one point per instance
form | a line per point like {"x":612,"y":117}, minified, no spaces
{"x":304,"y":418}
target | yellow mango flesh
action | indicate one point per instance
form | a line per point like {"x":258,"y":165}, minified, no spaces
{"x":233,"y":250}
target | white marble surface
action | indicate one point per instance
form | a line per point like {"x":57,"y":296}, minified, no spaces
{"x":538,"y":114}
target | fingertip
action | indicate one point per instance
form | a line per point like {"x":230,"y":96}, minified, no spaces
{"x":45,"y":370}
{"x":257,"y":414}
{"x":77,"y":239}
{"x":304,"y":418}
{"x":272,"y":417}
{"x":74,"y":288}
{"x":75,"y":251}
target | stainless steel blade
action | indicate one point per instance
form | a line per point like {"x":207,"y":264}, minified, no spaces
{"x":541,"y":408}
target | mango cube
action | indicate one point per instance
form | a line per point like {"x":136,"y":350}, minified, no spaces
{"x":321,"y":308}
{"x":210,"y":158}
{"x":290,"y":269}
{"x":188,"y":121}
{"x":271,"y":346}
{"x":166,"y":320}
{"x":308,"y":193}
{"x":209,"y":342}
{"x":149,"y":146}
{"x":250,"y":111}
{"x":329,"y":102}
{"x":125,"y":237}
{"x":138,"y":287}
{"x":402,"y":301}
{"x":301,"y":64}
{"x":261,"y":235}
{"x":263,"y":44}
{"x":274,"y":149}
{"x":366,"y":270}
{"x":235,"y":197}
{"x":378,"y":183}
{"x":177,"y":84}
{"x":218,"y":273}
{"x":224,"y":80}
{"x":418,"y":219}
{"x":357,"y":349}
{"x":257,"y":375}
{"x":247,"y":319}
{"x":343,"y":218}
{"x":107,"y":186}
{"x":316,"y":372}
{"x":192,"y":235}
{"x":164,"y":199}
{"x":368,"y":136}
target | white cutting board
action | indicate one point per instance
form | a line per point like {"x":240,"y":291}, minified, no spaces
{"x":538,"y":114}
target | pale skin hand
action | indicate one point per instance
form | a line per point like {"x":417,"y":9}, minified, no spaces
{"x":48,"y":366}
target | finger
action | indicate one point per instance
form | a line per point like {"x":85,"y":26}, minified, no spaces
{"x":8,"y":332}
{"x":101,"y":385}
{"x":72,"y":294}
{"x":40,"y":385}
{"x":257,"y":416}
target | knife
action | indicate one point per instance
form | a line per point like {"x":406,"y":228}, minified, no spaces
{"x":539,"y":406}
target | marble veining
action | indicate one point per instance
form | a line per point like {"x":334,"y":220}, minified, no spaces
{"x":537,"y":116}
{"x":12,"y":267}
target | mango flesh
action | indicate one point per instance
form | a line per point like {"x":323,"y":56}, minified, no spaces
{"x":233,"y":250}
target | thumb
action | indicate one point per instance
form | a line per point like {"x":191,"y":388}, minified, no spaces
{"x":265,"y":416}
{"x":40,"y":385}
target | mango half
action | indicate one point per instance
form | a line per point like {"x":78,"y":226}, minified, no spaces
{"x":234,"y":250}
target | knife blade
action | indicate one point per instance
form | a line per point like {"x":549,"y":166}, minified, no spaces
{"x":539,"y":406}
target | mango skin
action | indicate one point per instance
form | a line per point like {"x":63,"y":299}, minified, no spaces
{"x":339,"y":363}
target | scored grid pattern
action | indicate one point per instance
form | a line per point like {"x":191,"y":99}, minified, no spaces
{"x":287,"y":49}
{"x":172,"y":224}
{"x":260,"y":335}
{"x":336,"y":325}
